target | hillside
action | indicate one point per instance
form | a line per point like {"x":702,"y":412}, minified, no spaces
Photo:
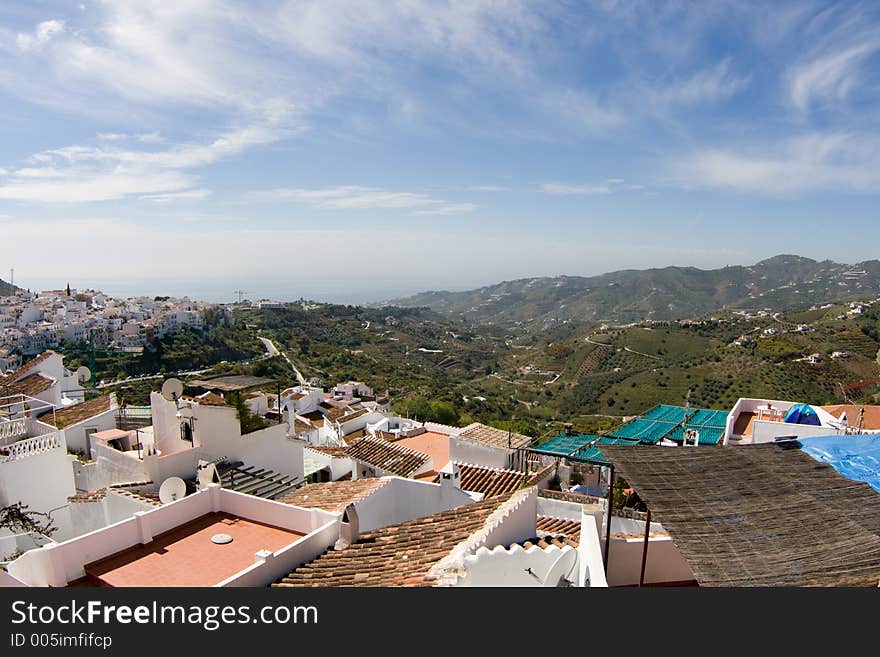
{"x":784,"y":282}
{"x":596,"y":378}
{"x":6,"y":289}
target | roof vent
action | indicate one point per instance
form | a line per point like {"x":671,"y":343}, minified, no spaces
{"x":221,"y":539}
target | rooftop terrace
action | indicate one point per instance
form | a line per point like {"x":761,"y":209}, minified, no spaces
{"x":186,"y":556}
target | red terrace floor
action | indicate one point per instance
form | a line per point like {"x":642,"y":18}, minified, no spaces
{"x":185,"y":556}
{"x":432,"y":443}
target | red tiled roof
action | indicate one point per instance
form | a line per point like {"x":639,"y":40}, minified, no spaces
{"x":302,"y":427}
{"x":31,"y":363}
{"x":335,"y":495}
{"x":31,"y":385}
{"x":399,"y":555}
{"x":487,"y":435}
{"x":332,"y":451}
{"x":71,"y":415}
{"x":490,"y":481}
{"x":88,"y":496}
{"x":353,"y":415}
{"x":570,"y":530}
{"x":388,"y":456}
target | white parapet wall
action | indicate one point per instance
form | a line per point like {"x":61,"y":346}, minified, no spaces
{"x":57,"y":565}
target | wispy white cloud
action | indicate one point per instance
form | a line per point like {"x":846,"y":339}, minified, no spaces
{"x":144,"y":137}
{"x":41,"y":35}
{"x":708,"y":85}
{"x":354,"y":197}
{"x":188,"y":195}
{"x":77,"y":174}
{"x":830,"y":76}
{"x":814,"y":162}
{"x":608,"y":186}
{"x":447,"y":208}
{"x":488,"y":188}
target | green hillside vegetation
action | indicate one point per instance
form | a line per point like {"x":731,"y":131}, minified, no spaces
{"x":783,"y":283}
{"x":446,"y":370}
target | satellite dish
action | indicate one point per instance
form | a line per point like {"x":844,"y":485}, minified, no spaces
{"x":172,"y":389}
{"x":172,"y":489}
{"x":561,"y":569}
{"x":83,"y":374}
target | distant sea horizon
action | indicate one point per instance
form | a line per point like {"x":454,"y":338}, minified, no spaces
{"x":214,"y":291}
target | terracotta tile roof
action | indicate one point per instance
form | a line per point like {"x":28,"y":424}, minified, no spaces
{"x":349,"y":438}
{"x":388,"y":456}
{"x":399,"y":555}
{"x":71,"y":415}
{"x":490,"y":481}
{"x":31,"y":363}
{"x":88,"y":496}
{"x":334,"y":413}
{"x":31,"y":385}
{"x":487,"y":435}
{"x":544,"y":542}
{"x":302,"y":427}
{"x":569,"y":530}
{"x":353,"y":415}
{"x":332,"y":451}
{"x":335,"y":495}
{"x":152,"y":499}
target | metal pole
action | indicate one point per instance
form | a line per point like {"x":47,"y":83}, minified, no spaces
{"x":608,"y":518}
{"x":645,"y":547}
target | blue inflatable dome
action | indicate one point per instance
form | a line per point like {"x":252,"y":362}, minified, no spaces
{"x":802,"y":414}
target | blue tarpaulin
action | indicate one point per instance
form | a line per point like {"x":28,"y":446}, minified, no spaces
{"x":802,"y":414}
{"x":855,"y":457}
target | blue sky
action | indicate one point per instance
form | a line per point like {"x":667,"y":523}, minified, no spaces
{"x":355,"y":151}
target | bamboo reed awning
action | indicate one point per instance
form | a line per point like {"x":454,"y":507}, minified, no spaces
{"x":759,"y":515}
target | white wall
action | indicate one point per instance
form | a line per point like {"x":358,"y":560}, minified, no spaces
{"x":114,"y":467}
{"x":42,"y":480}
{"x":403,"y":499}
{"x":59,"y":564}
{"x":8,"y":581}
{"x":767,"y":432}
{"x":664,"y":563}
{"x":75,"y":435}
{"x":467,"y":451}
{"x":166,"y":425}
{"x":516,"y":566}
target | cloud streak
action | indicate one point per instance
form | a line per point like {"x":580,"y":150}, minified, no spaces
{"x":810,"y":163}
{"x":354,"y":197}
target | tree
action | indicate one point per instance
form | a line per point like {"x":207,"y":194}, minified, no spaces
{"x":247,"y":419}
{"x":18,"y":519}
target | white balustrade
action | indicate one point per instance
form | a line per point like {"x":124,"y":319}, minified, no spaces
{"x":12,"y":430}
{"x":25,"y":448}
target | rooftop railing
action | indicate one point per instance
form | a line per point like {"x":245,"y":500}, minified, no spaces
{"x":30,"y":447}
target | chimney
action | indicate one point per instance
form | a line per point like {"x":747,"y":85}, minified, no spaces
{"x":450,"y":476}
{"x":349,"y":529}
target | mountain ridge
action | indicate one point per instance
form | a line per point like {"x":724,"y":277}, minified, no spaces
{"x":782,"y":282}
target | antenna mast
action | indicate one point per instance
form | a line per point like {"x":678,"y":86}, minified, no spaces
{"x":240,"y":294}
